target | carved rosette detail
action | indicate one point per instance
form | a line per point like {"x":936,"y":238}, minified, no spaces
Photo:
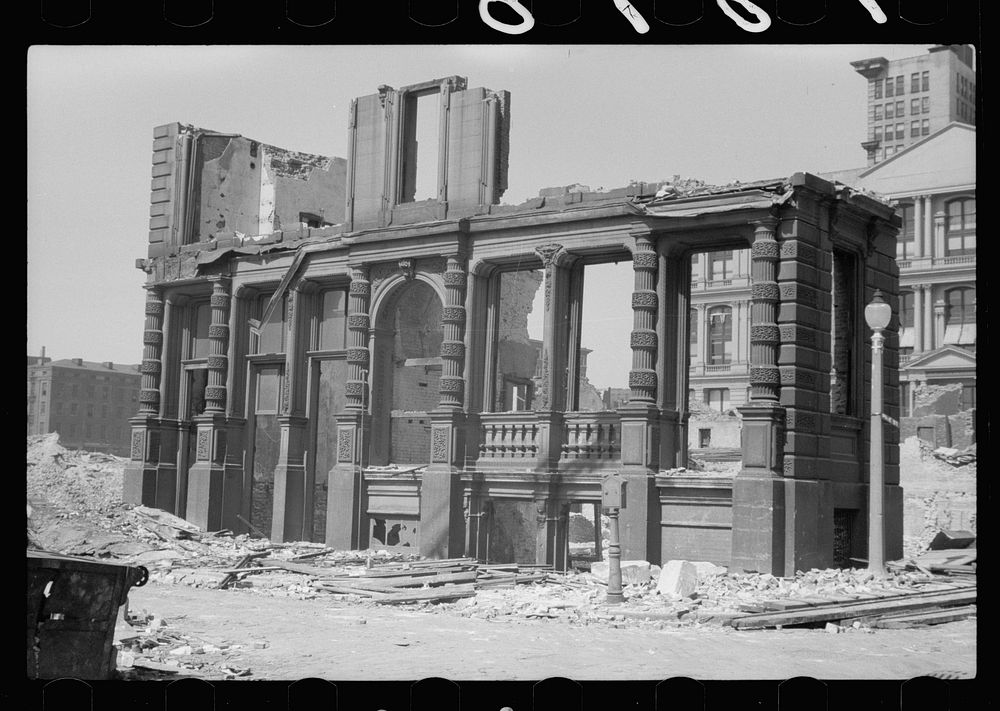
{"x":355,"y":388}
{"x":218,"y":330}
{"x":453,"y":314}
{"x":454,"y":279}
{"x":217,"y":361}
{"x":154,"y":307}
{"x":358,"y":355}
{"x":642,"y":379}
{"x":152,"y":338}
{"x":439,"y":445}
{"x":153,"y":367}
{"x":644,"y":260}
{"x":203,"y":450}
{"x":358,"y":322}
{"x":451,"y":384}
{"x":216,"y":392}
{"x":360,"y":287}
{"x":344,"y":448}
{"x":765,"y":375}
{"x":452,"y":349}
{"x":219,"y":301}
{"x":137,"y":444}
{"x":151,"y":397}
{"x":643,"y":339}
{"x":765,"y":333}
{"x":765,"y":291}
{"x":765,"y":250}
{"x":644,"y":300}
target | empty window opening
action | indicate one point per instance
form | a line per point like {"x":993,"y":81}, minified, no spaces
{"x":704,"y":438}
{"x":843,"y":400}
{"x":843,"y":536}
{"x":520,"y":326}
{"x":606,"y":321}
{"x":421,"y":144}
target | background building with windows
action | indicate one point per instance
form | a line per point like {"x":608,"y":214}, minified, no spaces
{"x":921,"y":157}
{"x":88,"y":404}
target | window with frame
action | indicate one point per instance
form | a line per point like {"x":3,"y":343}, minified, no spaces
{"x":925,"y":127}
{"x":914,"y":107}
{"x":914,"y":129}
{"x":925,"y":105}
{"x":900,"y":109}
{"x":722,"y":265}
{"x":605,"y":325}
{"x":905,"y":241}
{"x":925,"y":81}
{"x":960,"y":227}
{"x":876,"y":89}
{"x":331,"y":327}
{"x":888,"y":132}
{"x":960,"y":306}
{"x":900,"y":85}
{"x":900,"y":131}
{"x":518,"y":336}
{"x":890,"y":110}
{"x":720,"y":335}
{"x":906,"y":309}
{"x":890,"y":86}
{"x":878,"y":112}
{"x":270,"y":336}
{"x":693,"y":328}
{"x":717,"y":399}
{"x":915,"y":82}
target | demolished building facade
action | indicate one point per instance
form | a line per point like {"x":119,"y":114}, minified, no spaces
{"x":327,"y":357}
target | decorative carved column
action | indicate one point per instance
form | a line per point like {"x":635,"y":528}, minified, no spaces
{"x":206,"y":484}
{"x":758,"y":493}
{"x":345,"y":519}
{"x":642,"y":376}
{"x":550,"y":391}
{"x":141,"y":483}
{"x":640,"y":419}
{"x":291,"y":521}
{"x":765,"y":338}
{"x":442,"y":532}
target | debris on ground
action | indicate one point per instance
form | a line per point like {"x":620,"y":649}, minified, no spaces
{"x":75,"y":507}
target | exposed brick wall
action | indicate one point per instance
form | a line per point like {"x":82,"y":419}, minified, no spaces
{"x":411,"y":438}
{"x":936,"y":495}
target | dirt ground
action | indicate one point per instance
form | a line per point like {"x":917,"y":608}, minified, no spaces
{"x":288,"y":639}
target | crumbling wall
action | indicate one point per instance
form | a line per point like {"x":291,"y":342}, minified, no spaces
{"x":938,"y":416}
{"x":305,"y":183}
{"x":936,"y":495}
{"x":227,"y":186}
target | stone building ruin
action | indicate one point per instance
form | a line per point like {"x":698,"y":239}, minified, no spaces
{"x":329,"y":355}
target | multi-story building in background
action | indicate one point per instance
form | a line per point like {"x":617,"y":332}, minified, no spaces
{"x":911,"y":98}
{"x":928,"y":172}
{"x":88,"y":404}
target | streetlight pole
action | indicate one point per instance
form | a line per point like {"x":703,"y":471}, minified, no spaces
{"x":877,"y":314}
{"x":615,"y":595}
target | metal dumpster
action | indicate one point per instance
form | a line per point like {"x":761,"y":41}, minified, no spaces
{"x":73,"y":604}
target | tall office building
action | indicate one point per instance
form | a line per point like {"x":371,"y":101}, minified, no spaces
{"x":911,"y":98}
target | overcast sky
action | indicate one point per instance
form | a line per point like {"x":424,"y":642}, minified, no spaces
{"x":598,"y":115}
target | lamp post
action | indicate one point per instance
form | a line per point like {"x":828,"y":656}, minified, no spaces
{"x":877,"y":315}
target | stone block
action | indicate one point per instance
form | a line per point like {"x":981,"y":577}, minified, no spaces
{"x":634,"y":572}
{"x":679,"y":578}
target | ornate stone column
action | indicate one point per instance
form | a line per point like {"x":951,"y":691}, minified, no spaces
{"x":640,"y":417}
{"x":918,"y":226}
{"x":140,"y":477}
{"x":939,"y":308}
{"x":292,"y":489}
{"x":345,"y":520}
{"x":206,"y":485}
{"x":758,"y":494}
{"x":442,"y":532}
{"x":918,"y":318}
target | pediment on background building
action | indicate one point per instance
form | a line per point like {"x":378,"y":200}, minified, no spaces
{"x":943,"y":160}
{"x":943,"y":358}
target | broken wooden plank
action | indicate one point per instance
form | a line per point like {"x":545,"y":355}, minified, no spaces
{"x":839,"y":611}
{"x":348,"y":590}
{"x":406,"y":582}
{"x":299,"y":568}
{"x":243,"y":563}
{"x":782,"y":605}
{"x":934,"y":617}
{"x":445,"y":592}
{"x":315,"y":554}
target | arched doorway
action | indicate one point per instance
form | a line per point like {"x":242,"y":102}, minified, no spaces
{"x":406,"y":370}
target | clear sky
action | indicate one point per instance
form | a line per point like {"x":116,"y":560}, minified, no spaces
{"x":600,"y":115}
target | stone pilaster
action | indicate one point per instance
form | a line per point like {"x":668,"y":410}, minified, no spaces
{"x":642,"y":376}
{"x":207,"y":485}
{"x":142,"y":483}
{"x":551,"y":526}
{"x":452,"y":384}
{"x":290,"y":520}
{"x":346,"y":522}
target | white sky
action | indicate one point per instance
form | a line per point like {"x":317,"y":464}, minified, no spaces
{"x":600,"y":115}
